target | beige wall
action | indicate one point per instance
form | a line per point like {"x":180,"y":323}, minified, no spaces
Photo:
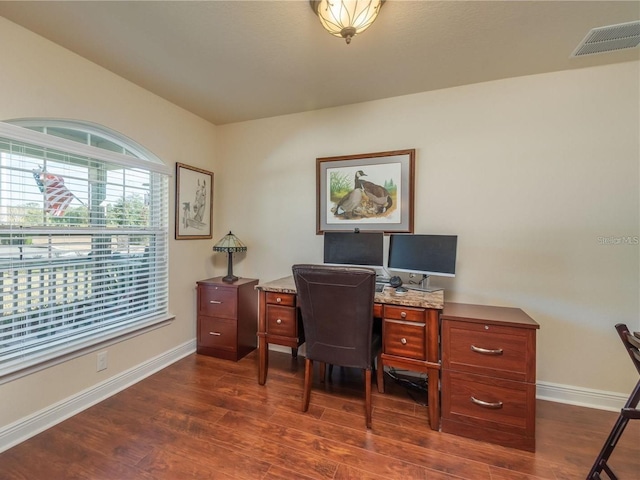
{"x":40,"y":79}
{"x":529,"y":172}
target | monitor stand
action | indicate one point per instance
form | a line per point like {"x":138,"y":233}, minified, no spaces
{"x":423,"y":286}
{"x":382,"y":276}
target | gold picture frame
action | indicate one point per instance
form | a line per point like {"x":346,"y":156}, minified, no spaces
{"x":366,"y":192}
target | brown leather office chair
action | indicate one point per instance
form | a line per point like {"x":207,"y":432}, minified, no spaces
{"x":336,"y":304}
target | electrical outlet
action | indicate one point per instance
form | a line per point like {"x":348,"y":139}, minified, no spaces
{"x":102,"y":361}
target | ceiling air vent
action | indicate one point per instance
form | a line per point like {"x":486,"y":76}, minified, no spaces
{"x":609,"y":39}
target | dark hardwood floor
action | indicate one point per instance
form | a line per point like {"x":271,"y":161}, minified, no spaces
{"x":205,"y":418}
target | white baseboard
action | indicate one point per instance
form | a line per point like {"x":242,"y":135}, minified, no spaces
{"x":584,"y":397}
{"x":30,"y":426}
{"x":282,"y":349}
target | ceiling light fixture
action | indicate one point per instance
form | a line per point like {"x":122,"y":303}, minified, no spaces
{"x":346,"y":18}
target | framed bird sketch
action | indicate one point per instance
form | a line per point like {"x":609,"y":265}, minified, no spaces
{"x":194,"y":202}
{"x":370,"y":191}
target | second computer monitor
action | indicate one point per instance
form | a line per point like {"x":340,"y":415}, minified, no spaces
{"x":350,"y":248}
{"x":423,"y":254}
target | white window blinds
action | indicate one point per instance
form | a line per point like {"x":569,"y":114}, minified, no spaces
{"x":83,"y":245}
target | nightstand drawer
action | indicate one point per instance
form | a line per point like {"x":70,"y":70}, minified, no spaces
{"x":281,"y":321}
{"x":404,"y":313}
{"x":404,"y":339}
{"x":500,"y":351}
{"x":217,"y":301}
{"x":489,"y":402}
{"x":218,"y":333}
{"x":280,"y":299}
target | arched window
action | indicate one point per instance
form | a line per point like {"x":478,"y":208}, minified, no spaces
{"x":83,"y":239}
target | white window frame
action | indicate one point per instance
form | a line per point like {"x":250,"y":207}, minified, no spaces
{"x":133,"y":156}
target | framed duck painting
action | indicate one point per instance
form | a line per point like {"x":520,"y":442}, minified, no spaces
{"x":369,"y":191}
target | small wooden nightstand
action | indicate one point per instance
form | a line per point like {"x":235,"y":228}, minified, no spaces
{"x":227,"y":317}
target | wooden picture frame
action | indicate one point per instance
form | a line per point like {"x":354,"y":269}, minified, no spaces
{"x":368,"y":192}
{"x":194,"y":203}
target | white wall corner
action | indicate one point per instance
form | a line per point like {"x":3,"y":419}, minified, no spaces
{"x":584,"y":397}
{"x":29,"y":426}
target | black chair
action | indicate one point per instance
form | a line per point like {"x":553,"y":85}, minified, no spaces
{"x":336,"y":304}
{"x":630,"y":410}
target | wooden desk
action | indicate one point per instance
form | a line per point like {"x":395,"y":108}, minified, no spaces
{"x":410,"y":331}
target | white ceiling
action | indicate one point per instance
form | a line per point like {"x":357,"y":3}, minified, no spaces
{"x":231,"y":61}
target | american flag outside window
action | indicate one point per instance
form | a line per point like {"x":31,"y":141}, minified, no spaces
{"x":57,"y":197}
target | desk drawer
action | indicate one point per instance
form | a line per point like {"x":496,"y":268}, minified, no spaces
{"x":404,"y":339}
{"x":217,"y":301}
{"x":501,"y":351}
{"x":408,"y":314}
{"x":281,"y":321}
{"x":287,"y":299}
{"x":489,"y":402}
{"x":218,"y":333}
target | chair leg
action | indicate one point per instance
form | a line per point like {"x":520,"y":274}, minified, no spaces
{"x":616,"y":432}
{"x":380,"y":374}
{"x":367,"y":395}
{"x":308,"y":379}
{"x":323,"y":371}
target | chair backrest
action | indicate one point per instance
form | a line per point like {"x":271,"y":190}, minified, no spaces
{"x":336,"y":304}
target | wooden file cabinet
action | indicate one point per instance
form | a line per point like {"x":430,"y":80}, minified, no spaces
{"x":227,"y":317}
{"x":489,"y":374}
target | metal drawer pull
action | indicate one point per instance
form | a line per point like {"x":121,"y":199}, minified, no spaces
{"x":216,"y":334}
{"x":403,"y":314}
{"x":403,"y":341}
{"x":278,"y":321}
{"x":486,"y":404}
{"x":214,"y":301}
{"x":486,"y":351}
{"x":278,"y":300}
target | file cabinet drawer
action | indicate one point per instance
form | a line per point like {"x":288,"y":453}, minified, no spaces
{"x":489,"y":349}
{"x":487,"y":402}
{"x":215,"y":301}
{"x":218,"y":333}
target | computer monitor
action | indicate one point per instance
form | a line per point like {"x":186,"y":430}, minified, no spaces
{"x":351,"y":248}
{"x":423,"y":254}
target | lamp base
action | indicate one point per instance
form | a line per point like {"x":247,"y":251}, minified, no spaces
{"x":230,"y":278}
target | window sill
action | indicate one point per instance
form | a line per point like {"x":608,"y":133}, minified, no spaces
{"x":70,"y":352}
